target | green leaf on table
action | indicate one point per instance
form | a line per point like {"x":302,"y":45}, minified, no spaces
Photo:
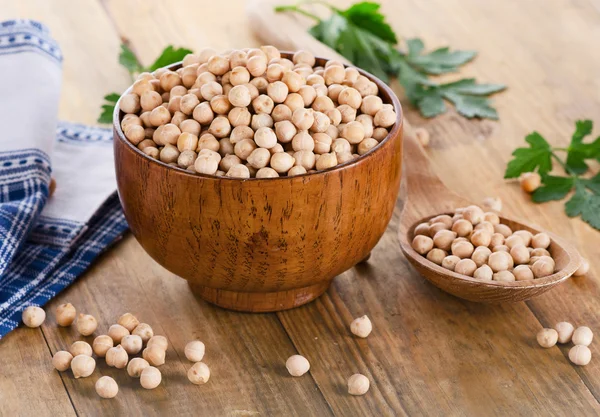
{"x":537,"y":156}
{"x":439,"y":61}
{"x":578,"y":151}
{"x":169,"y":56}
{"x":128,"y":59}
{"x":585,"y":204}
{"x":359,"y":46}
{"x":593,"y":184}
{"x":106,"y":116}
{"x":112,"y":97}
{"x":366,"y":15}
{"x":553,"y":188}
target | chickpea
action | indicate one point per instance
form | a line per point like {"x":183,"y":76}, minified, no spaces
{"x":297,"y":365}
{"x":144,"y":331}
{"x":101,"y":345}
{"x":154,"y":355}
{"x":220,"y":104}
{"x":334,"y":75}
{"x":136,"y":366}
{"x":367,"y":122}
{"x":169,"y":79}
{"x":541,"y":240}
{"x":188,"y":103}
{"x":261,"y":120}
{"x":203,"y":113}
{"x":266,"y":173}
{"x":443,"y":239}
{"x":542,"y":268}
{"x":281,"y":112}
{"x":496,"y":240}
{"x":208,"y":141}
{"x":504,"y":276}
{"x":520,"y":254}
{"x":106,"y":387}
{"x":332,"y":132}
{"x":259,"y":158}
{"x":361,"y":326}
{"x":62,"y":360}
{"x":205,"y":164}
{"x":503,"y":229}
{"x":547,"y":338}
{"x":86,"y":324}
{"x":582,"y":336}
{"x":484,"y":273}
{"x":285,"y":131}
{"x":130,"y":103}
{"x":228,"y":162}
{"x":462,"y":249}
{"x":132,"y":344}
{"x":522,"y":273}
{"x":422,"y":229}
{"x":166,"y":134}
{"x":335,"y":117}
{"x":282,"y":162}
{"x":487,"y":226}
{"x":348,"y":113}
{"x":583,"y":269}
{"x":450,"y":262}
{"x":135,"y":134}
{"x":499,"y":261}
{"x":501,"y":248}
{"x":239,"y":171}
{"x":239,"y":96}
{"x":380,"y":134}
{"x":351,"y":97}
{"x":341,"y":146}
{"x":530,"y":181}
{"x":150,"y":377}
{"x":322,"y":143}
{"x":296,"y":170}
{"x":159,"y":116}
{"x":117,"y":357}
{"x":219,"y":128}
{"x":580,"y":355}
{"x":308,"y":94}
{"x":565,"y":331}
{"x":436,"y":255}
{"x":187,"y":142}
{"x":82,"y":366}
{"x":513,"y":240}
{"x":539,"y":252}
{"x":80,"y":348}
{"x":150,"y":100}
{"x":385,"y":117}
{"x":354,"y":132}
{"x":169,"y":153}
{"x":275,"y":72}
{"x":199,"y":373}
{"x":473,"y":214}
{"x":322,"y":104}
{"x":65,"y":314}
{"x":370,"y":104}
{"x":465,"y":267}
{"x":302,"y":141}
{"x":442,"y":218}
{"x":491,"y":218}
{"x":218,"y":65}
{"x":305,"y":159}
{"x":422,"y":244}
{"x":462,"y":227}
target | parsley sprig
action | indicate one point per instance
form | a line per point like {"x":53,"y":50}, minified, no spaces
{"x":361,"y":34}
{"x":128,"y":60}
{"x":540,"y":155}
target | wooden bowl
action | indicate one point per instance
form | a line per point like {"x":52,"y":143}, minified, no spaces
{"x":260,"y":244}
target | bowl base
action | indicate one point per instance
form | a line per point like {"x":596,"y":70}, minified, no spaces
{"x":256,"y":302}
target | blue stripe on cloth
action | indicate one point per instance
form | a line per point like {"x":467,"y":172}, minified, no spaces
{"x":39,"y":272}
{"x":23,"y":35}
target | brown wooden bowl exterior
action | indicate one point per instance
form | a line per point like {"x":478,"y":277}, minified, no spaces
{"x":566,"y":257}
{"x":260,"y":244}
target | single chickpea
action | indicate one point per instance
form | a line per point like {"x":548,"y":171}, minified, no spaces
{"x":259,"y":158}
{"x":218,"y":65}
{"x":352,"y":75}
{"x":203,"y":113}
{"x":322,"y":104}
{"x":525,"y":235}
{"x":160,"y":116}
{"x":370,"y":104}
{"x":462,"y":227}
{"x":281,"y":112}
{"x":62,"y":360}
{"x":188,"y":103}
{"x":239,"y":96}
{"x":436,"y":255}
{"x":542,"y":268}
{"x":326,"y":160}
{"x":282,"y":162}
{"x":583,"y":269}
{"x":539,"y":252}
{"x":106,"y":387}
{"x":308,"y":94}
{"x":358,"y":384}
{"x":385,"y":117}
{"x":80,"y":348}
{"x":205,"y":164}
{"x":351,"y":97}
{"x":334,"y":74}
{"x":229,"y":161}
{"x":341,"y":146}
{"x":499,"y":261}
{"x":530,"y":181}
{"x":500,"y":248}
{"x":520,"y":254}
{"x":169,"y":153}
{"x":297,"y":365}
{"x":366,"y":145}
{"x":504,"y":276}
{"x":565,"y":331}
{"x":541,"y":240}
{"x":277,"y":91}
{"x":305,"y":159}
{"x":141,"y":86}
{"x":484,"y":273}
{"x":136,"y":366}
{"x":422,"y":229}
{"x":239,"y":76}
{"x":150,"y":377}
{"x":199,"y":373}
{"x":302,"y":141}
{"x":367,"y":122}
{"x":496,"y":240}
{"x":547,"y":338}
{"x":135,"y":134}
{"x":238,"y":59}
{"x":449,"y":262}
{"x":154,"y":355}
{"x":144,"y":331}
{"x":219,"y":128}
{"x":117,"y":357}
{"x":422,"y":244}
{"x":443,"y":239}
{"x":491,"y":218}
{"x":487,"y":226}
{"x":239,"y":133}
{"x":65,"y":314}
{"x":132,"y":344}
{"x":187,"y":142}
{"x":239,"y":171}
{"x":380,"y":134}
{"x":244,"y":148}
{"x":334,"y":90}
{"x":267,"y":172}
{"x":361,"y":326}
{"x":285,"y":131}
{"x":474,"y":214}
{"x":442,"y":218}
{"x":503,"y":229}
{"x":522,"y":273}
{"x":274,"y":72}
{"x":335,"y":117}
{"x":130,"y":103}
{"x":86,"y":324}
{"x":194,"y":351}
{"x":169,"y":79}
{"x":354,"y":132}
{"x":580,"y":355}
{"x":257,"y":65}
{"x":322,"y":143}
{"x":166,"y":134}
{"x":102,"y":344}
{"x":220,"y":104}
{"x":462,"y":249}
{"x":348,"y":113}
{"x":465,"y":267}
{"x":263,"y":104}
{"x":261,"y":120}
{"x":296,"y":170}
{"x":82,"y":366}
{"x":582,"y":336}
{"x":302,"y":118}
{"x":333,"y":132}
{"x":208,"y":141}
{"x":513,"y":240}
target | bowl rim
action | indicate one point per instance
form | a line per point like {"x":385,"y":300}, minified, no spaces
{"x":379,"y":148}
{"x":556,"y":277}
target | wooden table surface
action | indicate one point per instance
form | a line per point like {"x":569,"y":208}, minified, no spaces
{"x":429,"y":353}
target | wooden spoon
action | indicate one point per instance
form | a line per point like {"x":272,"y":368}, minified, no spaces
{"x":426,"y":197}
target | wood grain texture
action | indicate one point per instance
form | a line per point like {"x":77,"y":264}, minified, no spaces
{"x":430,"y":353}
{"x":279,"y":239}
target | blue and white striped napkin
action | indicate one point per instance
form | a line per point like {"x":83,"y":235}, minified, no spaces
{"x":46,"y":242}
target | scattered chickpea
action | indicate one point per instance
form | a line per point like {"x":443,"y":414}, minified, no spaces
{"x":144,"y":331}
{"x":583,"y":269}
{"x":102,"y":344}
{"x":33,"y":316}
{"x":136,"y":366}
{"x":117,"y":357}
{"x":132,"y":344}
{"x":65,"y":314}
{"x":155,"y":355}
{"x":582,"y":336}
{"x":86,"y":324}
{"x":580,"y":355}
{"x":530,"y":181}
{"x":199,"y":373}
{"x":159,"y":341}
{"x":450,"y":262}
{"x":565,"y":331}
{"x":547,"y":338}
{"x":117,"y":332}
{"x":437,"y":256}
{"x":82,"y":366}
{"x":297,"y":365}
{"x":361,"y":326}
{"x":80,"y":348}
{"x":422,"y":244}
{"x":358,"y":384}
{"x":194,"y":351}
{"x":62,"y":360}
{"x":542,"y":268}
{"x":150,"y":377}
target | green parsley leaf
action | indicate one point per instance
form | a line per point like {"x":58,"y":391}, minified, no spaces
{"x":107,"y":114}
{"x":366,"y":16}
{"x":112,"y":97}
{"x":584,"y":204}
{"x":128,"y":59}
{"x":439,"y":61}
{"x":169,"y":56}
{"x":579,"y":151}
{"x":593,"y":183}
{"x":554,"y":188}
{"x":538,"y":155}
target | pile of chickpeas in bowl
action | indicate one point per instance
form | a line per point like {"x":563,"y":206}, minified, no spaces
{"x":252,"y":113}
